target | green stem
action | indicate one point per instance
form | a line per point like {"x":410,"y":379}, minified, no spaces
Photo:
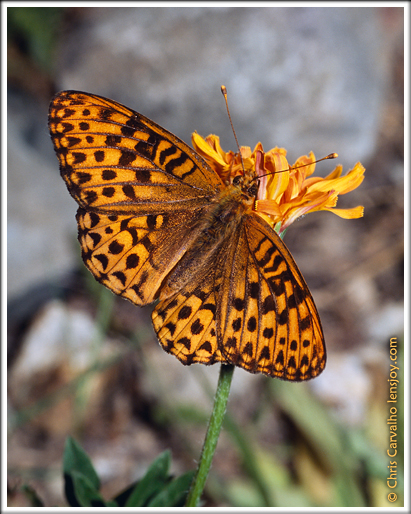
{"x":211,"y":438}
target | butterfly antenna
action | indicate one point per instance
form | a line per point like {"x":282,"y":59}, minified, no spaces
{"x":224,"y":91}
{"x":329,"y":156}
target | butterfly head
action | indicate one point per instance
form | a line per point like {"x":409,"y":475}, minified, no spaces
{"x":248,"y":185}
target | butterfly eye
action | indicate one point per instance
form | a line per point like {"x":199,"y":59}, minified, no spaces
{"x":252,"y":190}
{"x":237,"y":180}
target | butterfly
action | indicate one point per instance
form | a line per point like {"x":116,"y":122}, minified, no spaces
{"x":156,"y":223}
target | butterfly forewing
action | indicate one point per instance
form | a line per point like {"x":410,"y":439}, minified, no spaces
{"x":156,"y":222}
{"x":115,"y":160}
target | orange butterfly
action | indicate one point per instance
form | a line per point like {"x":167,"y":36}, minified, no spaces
{"x":157,"y":223}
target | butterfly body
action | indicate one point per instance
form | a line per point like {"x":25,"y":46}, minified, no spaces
{"x":157,"y":223}
{"x":214,"y":231}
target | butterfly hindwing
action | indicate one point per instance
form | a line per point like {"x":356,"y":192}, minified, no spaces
{"x":185,"y":322}
{"x":132,"y":255}
{"x":267,"y":322}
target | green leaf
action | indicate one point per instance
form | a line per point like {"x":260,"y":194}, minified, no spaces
{"x":111,"y":503}
{"x":85,"y":492}
{"x":81,"y":482}
{"x":174,"y":493}
{"x":76,"y":459}
{"x":153,"y":481}
{"x":36,"y":28}
{"x":32,"y":496}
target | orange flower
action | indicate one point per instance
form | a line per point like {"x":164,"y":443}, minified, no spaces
{"x":283,"y":197}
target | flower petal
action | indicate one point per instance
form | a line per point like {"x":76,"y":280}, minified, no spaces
{"x":348,"y":214}
{"x":343,"y":184}
{"x":285,"y":193}
{"x":207,"y":151}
